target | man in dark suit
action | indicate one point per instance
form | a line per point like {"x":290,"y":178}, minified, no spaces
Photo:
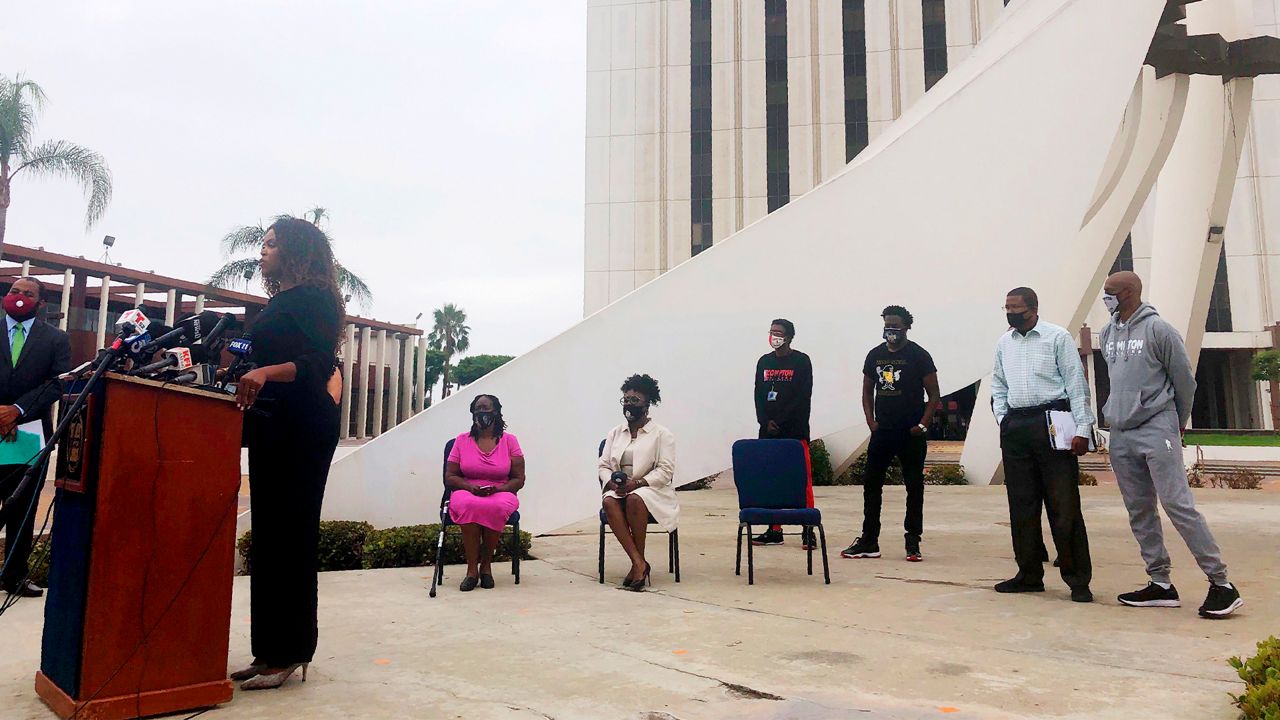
{"x":33,"y":354}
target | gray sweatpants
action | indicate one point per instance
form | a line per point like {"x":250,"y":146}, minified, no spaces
{"x":1148,"y":464}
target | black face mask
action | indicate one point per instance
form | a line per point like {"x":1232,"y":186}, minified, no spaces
{"x":893,"y":336}
{"x":1016,"y":319}
{"x":635,"y":412}
{"x":485,"y":420}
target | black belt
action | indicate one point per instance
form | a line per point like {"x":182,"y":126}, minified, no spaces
{"x":1062,"y":405}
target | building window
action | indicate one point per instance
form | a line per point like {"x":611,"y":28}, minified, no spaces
{"x":1219,"y":319}
{"x":1124,"y":261}
{"x":935,"y":41}
{"x":778,"y":136}
{"x":856,"y":128}
{"x":700,"y":124}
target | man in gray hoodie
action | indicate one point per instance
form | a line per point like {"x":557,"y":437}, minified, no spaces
{"x":1152,"y":388}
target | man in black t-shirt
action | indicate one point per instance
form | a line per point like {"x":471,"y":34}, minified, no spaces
{"x":896,"y":377}
{"x":783,"y":394}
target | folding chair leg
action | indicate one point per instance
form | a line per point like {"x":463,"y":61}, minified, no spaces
{"x":602,"y":552}
{"x":675,"y":540}
{"x":437,"y":574}
{"x":826,"y":570}
{"x":737,"y":566}
{"x":808,"y":552}
{"x":515,"y":551}
{"x":751,"y":559}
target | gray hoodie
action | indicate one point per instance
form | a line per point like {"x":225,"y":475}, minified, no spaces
{"x":1149,"y":369}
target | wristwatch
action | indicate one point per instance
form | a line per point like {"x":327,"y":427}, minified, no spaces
{"x":922,"y":427}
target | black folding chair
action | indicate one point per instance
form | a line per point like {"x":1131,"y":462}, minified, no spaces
{"x":673,"y":537}
{"x":437,"y":576}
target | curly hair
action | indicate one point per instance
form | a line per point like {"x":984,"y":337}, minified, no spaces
{"x":907,"y":318}
{"x":646,"y":386}
{"x":306,"y":258}
{"x":499,"y":425}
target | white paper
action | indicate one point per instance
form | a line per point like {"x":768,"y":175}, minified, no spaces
{"x":1062,"y":429}
{"x":28,"y":441}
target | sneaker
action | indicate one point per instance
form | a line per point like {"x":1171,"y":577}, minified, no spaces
{"x":1016,"y":585}
{"x":913,"y":551}
{"x":1081,"y":595}
{"x":809,"y":539}
{"x":862,"y":549}
{"x":1152,"y":596}
{"x":1221,"y":601}
{"x":768,"y":537}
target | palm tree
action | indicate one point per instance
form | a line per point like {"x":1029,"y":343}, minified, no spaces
{"x":20,"y":101}
{"x":241,"y":272}
{"x":449,"y":335}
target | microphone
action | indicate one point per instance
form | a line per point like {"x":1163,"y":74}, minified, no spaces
{"x":218,"y":329}
{"x":202,"y":374}
{"x":136,"y":318}
{"x":189,"y":331}
{"x":179,"y":358}
{"x":241,"y":348}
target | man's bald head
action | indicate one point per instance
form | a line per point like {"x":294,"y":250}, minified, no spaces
{"x":1121,"y":281}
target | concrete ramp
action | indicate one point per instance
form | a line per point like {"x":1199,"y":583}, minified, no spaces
{"x":980,"y":187}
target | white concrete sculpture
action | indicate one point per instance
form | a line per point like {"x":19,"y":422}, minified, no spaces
{"x":982,"y":186}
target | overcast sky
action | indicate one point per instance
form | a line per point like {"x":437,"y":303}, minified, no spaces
{"x":445,"y":139}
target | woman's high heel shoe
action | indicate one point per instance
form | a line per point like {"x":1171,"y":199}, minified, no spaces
{"x":273,"y":680}
{"x":252,"y":671}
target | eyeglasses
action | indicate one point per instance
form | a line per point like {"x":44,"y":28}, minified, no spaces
{"x":630,"y":401}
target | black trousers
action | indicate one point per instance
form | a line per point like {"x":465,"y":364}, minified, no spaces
{"x":1034,"y":475}
{"x":910,"y":451}
{"x":288,"y":468}
{"x":19,"y":526}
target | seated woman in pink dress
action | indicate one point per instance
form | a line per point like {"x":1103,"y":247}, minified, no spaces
{"x":485,"y":471}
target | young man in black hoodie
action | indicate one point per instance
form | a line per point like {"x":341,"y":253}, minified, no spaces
{"x":898,"y":376}
{"x":783,"y":394}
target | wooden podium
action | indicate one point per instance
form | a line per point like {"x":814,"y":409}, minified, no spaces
{"x":138,"y":612}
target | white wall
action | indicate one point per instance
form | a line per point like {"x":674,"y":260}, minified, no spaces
{"x":1037,"y":118}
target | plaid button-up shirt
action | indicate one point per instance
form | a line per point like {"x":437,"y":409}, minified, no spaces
{"x":1039,"y":368}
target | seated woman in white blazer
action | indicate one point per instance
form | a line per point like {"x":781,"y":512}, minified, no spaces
{"x":636,"y":468}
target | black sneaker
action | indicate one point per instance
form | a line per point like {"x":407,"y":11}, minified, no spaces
{"x":1081,"y":595}
{"x":862,"y":549}
{"x":1015,"y":585}
{"x":913,"y":551}
{"x":1221,"y":601}
{"x":809,"y":539}
{"x":1152,"y":596}
{"x":768,"y":537}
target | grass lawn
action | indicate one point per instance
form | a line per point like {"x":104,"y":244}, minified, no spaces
{"x":1268,"y":440}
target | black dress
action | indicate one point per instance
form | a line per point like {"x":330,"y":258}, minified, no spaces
{"x":291,"y":433}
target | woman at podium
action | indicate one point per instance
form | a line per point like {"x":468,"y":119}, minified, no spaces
{"x":291,"y":428}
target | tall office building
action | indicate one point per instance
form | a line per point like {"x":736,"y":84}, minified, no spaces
{"x":704,"y":116}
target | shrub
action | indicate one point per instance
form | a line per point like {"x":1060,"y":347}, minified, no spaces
{"x":700,"y":484}
{"x":1239,"y":479}
{"x":820,"y":459}
{"x":1088,"y":479}
{"x":415,"y":546}
{"x":1261,"y":676}
{"x":949,"y":474}
{"x":1196,"y":476}
{"x":858,"y":470}
{"x":346,"y":545}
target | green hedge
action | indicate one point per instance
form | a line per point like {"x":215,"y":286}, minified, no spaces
{"x":820,"y":461}
{"x":346,"y":545}
{"x":1261,"y":676}
{"x":949,"y":474}
{"x":39,"y":562}
{"x":855,"y":473}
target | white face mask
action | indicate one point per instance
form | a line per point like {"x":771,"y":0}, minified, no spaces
{"x":777,"y":341}
{"x":1111,"y":302}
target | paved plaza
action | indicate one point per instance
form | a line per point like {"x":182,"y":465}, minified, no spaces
{"x":887,"y":639}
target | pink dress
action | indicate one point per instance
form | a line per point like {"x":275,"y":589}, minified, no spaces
{"x":489,"y":469}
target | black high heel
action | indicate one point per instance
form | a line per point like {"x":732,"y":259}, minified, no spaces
{"x":647,"y":568}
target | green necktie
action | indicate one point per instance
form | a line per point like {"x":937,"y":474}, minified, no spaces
{"x":19,"y":338}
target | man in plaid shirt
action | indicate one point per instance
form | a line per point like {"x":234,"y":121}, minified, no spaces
{"x":1037,"y":369}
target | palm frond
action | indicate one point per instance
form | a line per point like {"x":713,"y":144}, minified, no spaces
{"x":247,"y":238}
{"x":18,"y":115}
{"x":60,"y":158}
{"x":352,"y":285}
{"x":231,"y":276}
{"x":316,"y":215}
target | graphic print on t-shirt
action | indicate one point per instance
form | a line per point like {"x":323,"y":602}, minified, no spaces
{"x":775,"y":375}
{"x":888,"y":375}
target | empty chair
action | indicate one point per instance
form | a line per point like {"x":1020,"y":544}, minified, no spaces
{"x":771,"y":476}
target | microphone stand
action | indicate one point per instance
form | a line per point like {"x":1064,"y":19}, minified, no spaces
{"x":109,"y":357}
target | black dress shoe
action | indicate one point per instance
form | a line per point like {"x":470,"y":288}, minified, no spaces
{"x":1018,"y":586}
{"x":1081,"y":595}
{"x":468,"y":584}
{"x":25,"y":589}
{"x":486,"y":581}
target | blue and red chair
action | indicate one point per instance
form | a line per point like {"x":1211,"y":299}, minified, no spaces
{"x":771,"y":476}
